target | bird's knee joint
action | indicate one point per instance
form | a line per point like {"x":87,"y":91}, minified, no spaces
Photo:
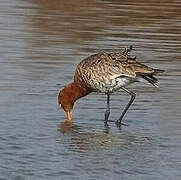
{"x":133,"y":95}
{"x":107,"y":112}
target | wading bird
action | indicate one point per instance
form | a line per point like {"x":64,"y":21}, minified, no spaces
{"x":106,"y":73}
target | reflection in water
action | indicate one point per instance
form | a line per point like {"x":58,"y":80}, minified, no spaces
{"x":69,"y":128}
{"x":87,"y":20}
{"x":82,"y":140}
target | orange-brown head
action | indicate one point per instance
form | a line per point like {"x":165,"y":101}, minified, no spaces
{"x":69,"y":94}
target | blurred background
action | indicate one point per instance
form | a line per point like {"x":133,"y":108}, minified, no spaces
{"x":41,"y":42}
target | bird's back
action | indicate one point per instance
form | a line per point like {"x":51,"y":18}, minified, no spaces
{"x":109,"y":71}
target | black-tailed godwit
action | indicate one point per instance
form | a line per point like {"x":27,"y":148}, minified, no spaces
{"x":106,"y":73}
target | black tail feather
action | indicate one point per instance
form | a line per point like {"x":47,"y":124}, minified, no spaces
{"x":156,"y":71}
{"x":151,"y":79}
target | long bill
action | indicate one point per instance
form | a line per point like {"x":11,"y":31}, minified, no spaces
{"x":69,"y":115}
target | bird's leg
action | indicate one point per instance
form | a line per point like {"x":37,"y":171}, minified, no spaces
{"x":107,"y":109}
{"x":133,"y":95}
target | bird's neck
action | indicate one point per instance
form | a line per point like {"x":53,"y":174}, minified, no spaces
{"x":71,"y":93}
{"x":76,"y":90}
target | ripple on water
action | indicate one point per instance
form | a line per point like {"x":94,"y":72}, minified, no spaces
{"x":80,"y":139}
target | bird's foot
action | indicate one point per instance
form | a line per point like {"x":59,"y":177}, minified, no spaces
{"x":106,"y":124}
{"x":119,"y":123}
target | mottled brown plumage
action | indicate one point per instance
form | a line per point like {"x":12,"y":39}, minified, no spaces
{"x":106,"y":72}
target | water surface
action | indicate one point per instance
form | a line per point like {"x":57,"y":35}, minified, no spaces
{"x":40,"y":44}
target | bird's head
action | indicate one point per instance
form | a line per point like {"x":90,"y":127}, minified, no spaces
{"x":65,"y":101}
{"x":69,"y":94}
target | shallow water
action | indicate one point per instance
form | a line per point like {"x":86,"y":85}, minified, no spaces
{"x":40,"y":44}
